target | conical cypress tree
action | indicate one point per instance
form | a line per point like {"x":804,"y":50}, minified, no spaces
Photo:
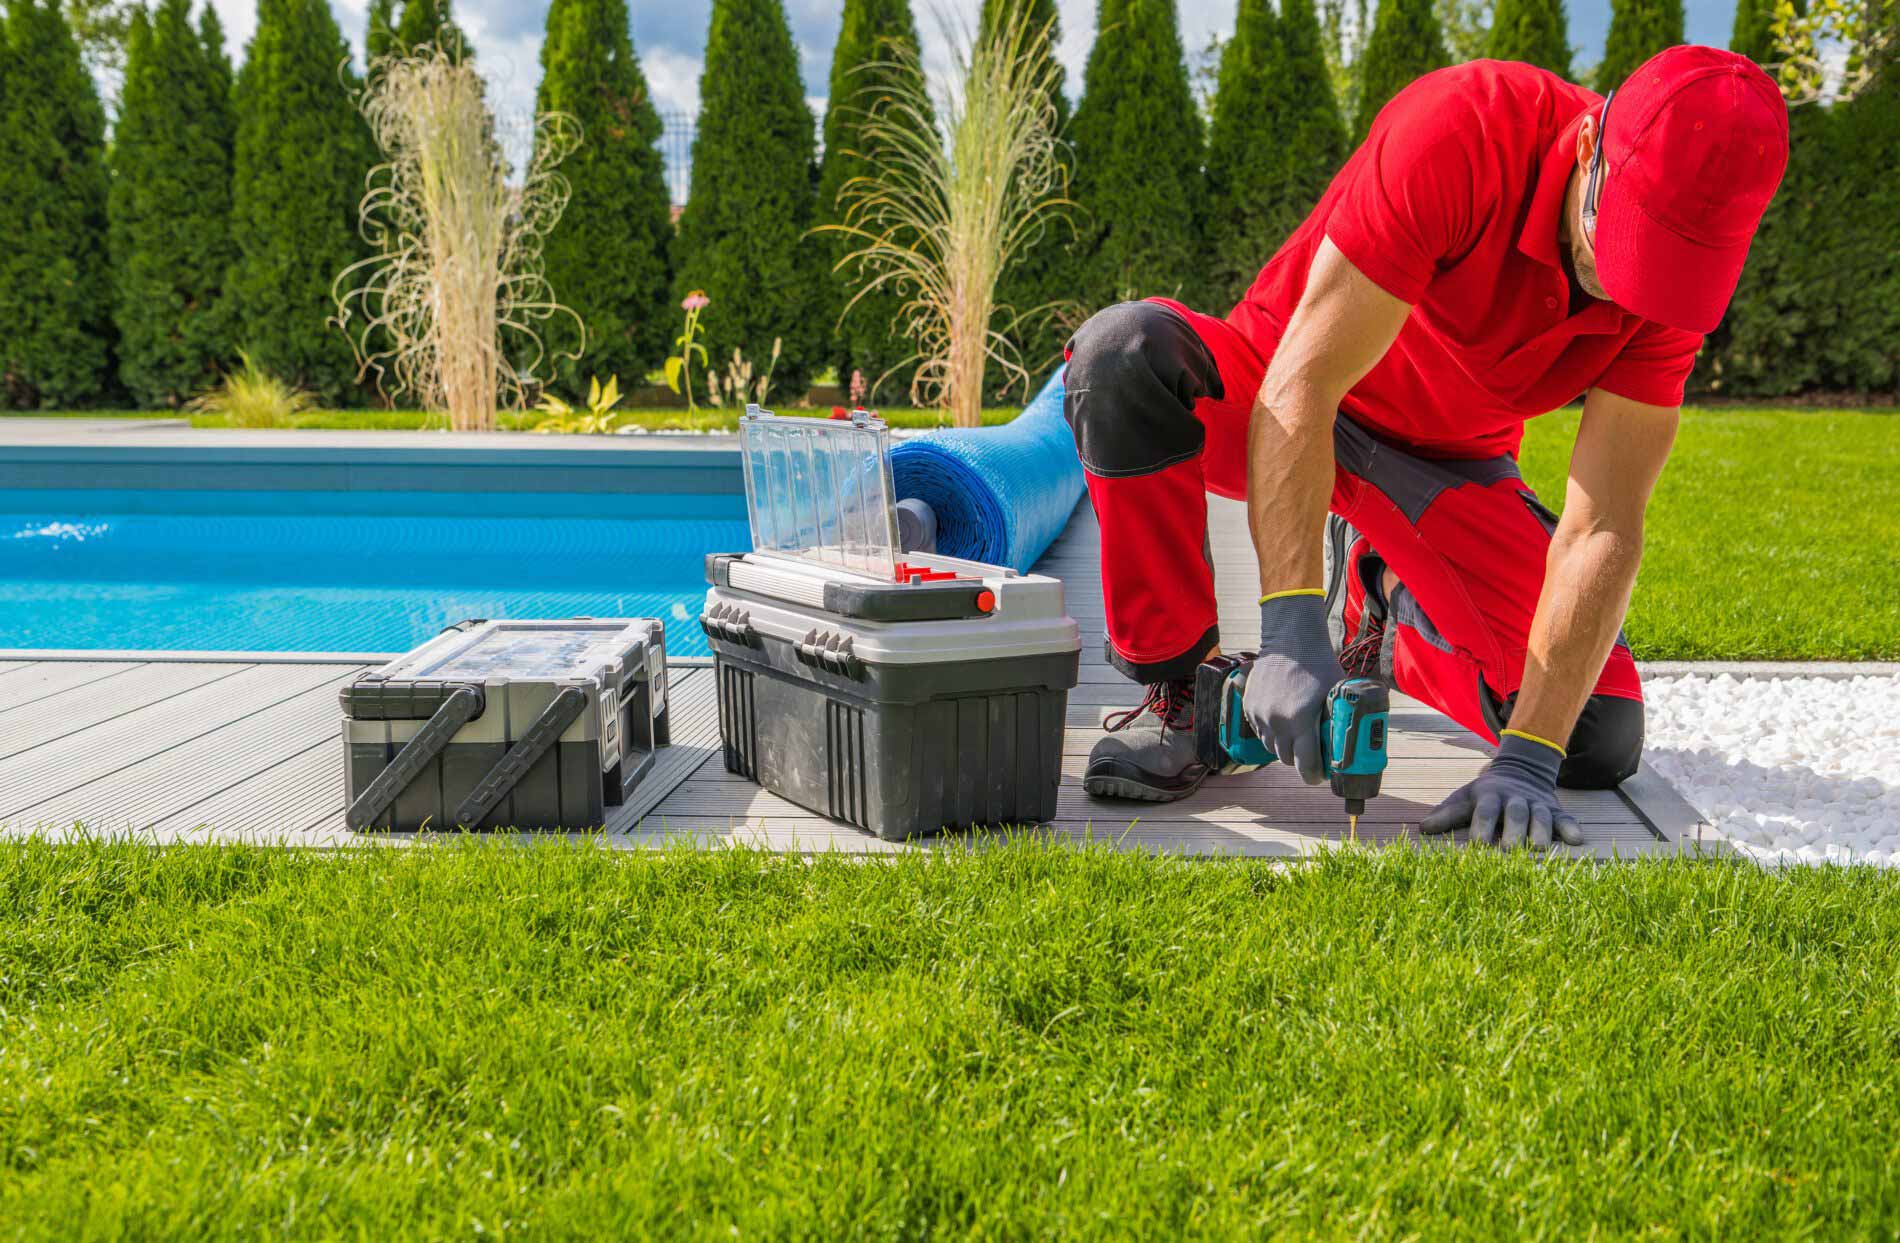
{"x":1249,"y":101}
{"x":1273,"y":80}
{"x":380,"y":38}
{"x":1638,"y":30}
{"x":171,"y":208}
{"x":862,"y":72}
{"x":55,"y":277}
{"x":609,"y":257}
{"x":1138,"y":157}
{"x":1406,"y":44}
{"x":298,"y":169}
{"x":1754,"y":35}
{"x":1536,"y":32}
{"x":425,"y":23}
{"x":1045,"y":270}
{"x":743,"y":237}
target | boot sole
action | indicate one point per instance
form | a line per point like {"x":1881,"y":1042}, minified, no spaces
{"x":1121,"y":783}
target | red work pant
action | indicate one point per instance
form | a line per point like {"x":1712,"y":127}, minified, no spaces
{"x":1159,"y":397}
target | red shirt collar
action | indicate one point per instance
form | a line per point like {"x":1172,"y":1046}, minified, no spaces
{"x":1539,"y":238}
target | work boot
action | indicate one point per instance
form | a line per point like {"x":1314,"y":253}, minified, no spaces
{"x":1356,"y":610}
{"x":1153,"y":761}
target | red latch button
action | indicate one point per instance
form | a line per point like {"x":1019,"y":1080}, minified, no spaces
{"x":986,"y":601}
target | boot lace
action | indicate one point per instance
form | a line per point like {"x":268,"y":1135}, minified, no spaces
{"x":1173,"y":702}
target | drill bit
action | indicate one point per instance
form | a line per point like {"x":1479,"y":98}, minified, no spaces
{"x":1355,"y":807}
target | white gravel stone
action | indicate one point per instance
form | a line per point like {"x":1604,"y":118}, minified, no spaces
{"x":1791,"y":770}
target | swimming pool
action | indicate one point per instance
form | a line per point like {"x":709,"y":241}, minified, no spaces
{"x":344,"y":571}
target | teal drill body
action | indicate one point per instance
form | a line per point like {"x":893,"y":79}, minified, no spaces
{"x":1356,"y":729}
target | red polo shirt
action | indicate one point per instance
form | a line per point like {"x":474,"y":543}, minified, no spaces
{"x":1452,"y":204}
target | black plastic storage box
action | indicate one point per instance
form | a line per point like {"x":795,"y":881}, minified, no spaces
{"x":507,"y":724}
{"x":904,"y":694}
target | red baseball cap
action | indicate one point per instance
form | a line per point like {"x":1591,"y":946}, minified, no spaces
{"x":1694,"y":145}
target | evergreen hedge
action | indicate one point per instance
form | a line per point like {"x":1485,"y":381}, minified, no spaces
{"x":1536,"y":32}
{"x":1275,"y":142}
{"x":862,"y":72}
{"x":379,"y":40}
{"x":744,"y":237}
{"x":1138,"y":157}
{"x":301,"y":156}
{"x":1753,"y":34}
{"x":171,"y":206}
{"x":1045,"y":271}
{"x":423,"y":23}
{"x":609,"y":258}
{"x":1638,"y":30}
{"x":55,"y":278}
{"x":1406,"y":44}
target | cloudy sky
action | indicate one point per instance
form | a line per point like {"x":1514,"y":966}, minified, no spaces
{"x":670,"y":36}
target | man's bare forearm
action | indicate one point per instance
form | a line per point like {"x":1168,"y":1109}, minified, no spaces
{"x":1587,"y":582}
{"x":1342,"y":327}
{"x":1289,"y":482}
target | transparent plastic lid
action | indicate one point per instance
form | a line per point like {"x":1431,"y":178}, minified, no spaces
{"x":529,"y":652}
{"x":819,"y":490}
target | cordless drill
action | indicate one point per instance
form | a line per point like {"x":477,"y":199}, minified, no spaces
{"x":1352,"y":732}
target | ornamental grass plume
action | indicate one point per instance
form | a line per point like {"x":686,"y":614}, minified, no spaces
{"x":942,"y":217}
{"x":451,"y":302}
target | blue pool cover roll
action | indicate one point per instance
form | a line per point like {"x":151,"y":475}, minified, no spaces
{"x":1002,"y":494}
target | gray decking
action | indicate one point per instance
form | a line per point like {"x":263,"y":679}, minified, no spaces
{"x":178,"y":747}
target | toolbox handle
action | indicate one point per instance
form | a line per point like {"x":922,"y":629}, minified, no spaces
{"x":531,"y":746}
{"x":456,"y":711}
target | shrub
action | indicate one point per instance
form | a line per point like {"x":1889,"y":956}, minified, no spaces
{"x":1638,"y":30}
{"x":1536,"y":32}
{"x":300,"y":160}
{"x":1406,"y":44}
{"x":865,"y":75}
{"x":55,"y":277}
{"x":1045,"y":270}
{"x":1138,"y":156}
{"x":744,"y":235}
{"x":609,"y":258}
{"x":171,"y":205}
{"x":252,"y":397}
{"x":1273,"y":81}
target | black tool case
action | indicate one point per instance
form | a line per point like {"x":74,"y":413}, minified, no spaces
{"x":507,"y":724}
{"x":902,"y":692}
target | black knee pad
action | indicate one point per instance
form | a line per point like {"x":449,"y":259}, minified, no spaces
{"x":1135,"y":372}
{"x":1606,"y":747}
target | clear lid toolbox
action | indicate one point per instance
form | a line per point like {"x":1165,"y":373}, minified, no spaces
{"x":903,"y":692}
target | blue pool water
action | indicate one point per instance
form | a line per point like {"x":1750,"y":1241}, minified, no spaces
{"x":344,"y":571}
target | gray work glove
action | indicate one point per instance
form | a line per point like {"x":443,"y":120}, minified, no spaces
{"x":1516,"y":792}
{"x":1285,"y":700}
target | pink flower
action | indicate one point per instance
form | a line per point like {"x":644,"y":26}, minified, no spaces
{"x":695,"y":300}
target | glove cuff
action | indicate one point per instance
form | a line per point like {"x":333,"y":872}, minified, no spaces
{"x":1531,"y":756}
{"x":1294,"y":625}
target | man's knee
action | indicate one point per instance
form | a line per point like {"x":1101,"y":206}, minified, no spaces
{"x":1135,"y":371}
{"x":1606,"y":747}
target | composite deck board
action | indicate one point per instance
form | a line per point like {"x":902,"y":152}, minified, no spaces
{"x":24,"y":688}
{"x":230,"y":750}
{"x":34,"y":778}
{"x":119,"y":691}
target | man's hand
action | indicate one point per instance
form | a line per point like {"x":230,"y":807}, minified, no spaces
{"x":1285,"y":699}
{"x":1517,"y":793}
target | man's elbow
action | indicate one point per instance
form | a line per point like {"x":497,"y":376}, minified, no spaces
{"x":1606,"y":541}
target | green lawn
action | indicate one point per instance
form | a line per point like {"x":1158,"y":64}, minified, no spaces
{"x":555,"y":1041}
{"x":1774,"y":535}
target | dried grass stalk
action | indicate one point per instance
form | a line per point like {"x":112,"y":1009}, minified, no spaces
{"x":941,"y":219}
{"x":449,"y":306}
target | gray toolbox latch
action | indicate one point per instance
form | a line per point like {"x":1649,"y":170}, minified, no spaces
{"x":827,"y":649}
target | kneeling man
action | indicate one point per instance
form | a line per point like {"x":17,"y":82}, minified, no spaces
{"x":1502,"y":242}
